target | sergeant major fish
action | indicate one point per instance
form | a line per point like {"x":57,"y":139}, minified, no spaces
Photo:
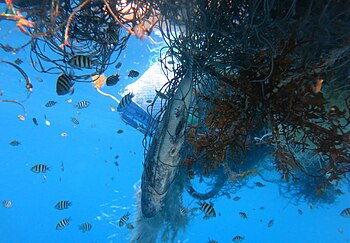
{"x":63,"y":223}
{"x":207,"y":208}
{"x":63,"y":205}
{"x":40,"y":168}
{"x":64,"y":85}
{"x":123,"y":219}
{"x":83,"y":104}
{"x":80,"y":61}
{"x":85,"y":227}
{"x":125,"y":102}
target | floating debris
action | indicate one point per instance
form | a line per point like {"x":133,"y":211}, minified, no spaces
{"x":112,"y":108}
{"x":47,"y":122}
{"x":64,"y":134}
{"x":69,"y":100}
{"x":21,"y":117}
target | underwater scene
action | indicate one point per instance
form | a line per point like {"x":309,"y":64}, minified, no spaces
{"x":174,"y":121}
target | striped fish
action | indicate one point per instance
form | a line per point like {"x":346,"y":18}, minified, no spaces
{"x":345,"y":213}
{"x":50,"y":103}
{"x":112,"y":80}
{"x":133,"y":74}
{"x":207,"y":208}
{"x":63,"y":205}
{"x":7,"y":204}
{"x":80,"y":61}
{"x":237,"y":238}
{"x":63,"y":223}
{"x":85,"y":227}
{"x":183,"y":210}
{"x":83,"y":104}
{"x":125,"y":102}
{"x":40,"y":168}
{"x":74,"y":120}
{"x":123,"y":219}
{"x":64,"y":85}
{"x":243,"y":215}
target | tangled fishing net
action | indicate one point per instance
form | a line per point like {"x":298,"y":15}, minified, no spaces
{"x":270,"y":79}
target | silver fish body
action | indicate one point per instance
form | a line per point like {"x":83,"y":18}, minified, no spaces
{"x":165,"y":153}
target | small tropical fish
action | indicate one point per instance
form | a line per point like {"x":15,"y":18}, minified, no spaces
{"x":40,"y":168}
{"x":123,"y":219}
{"x":39,"y":79}
{"x":125,"y":102}
{"x":237,"y":238}
{"x":83,"y":104}
{"x":35,"y":121}
{"x":18,"y":61}
{"x":345,"y":213}
{"x":120,"y":131}
{"x":270,"y":223}
{"x":236,"y":198}
{"x":21,"y":117}
{"x":262,"y":208}
{"x":63,"y":205}
{"x":50,"y":103}
{"x":133,"y":74}
{"x":112,"y":80}
{"x":259,"y":184}
{"x":7,"y":204}
{"x":74,"y":120}
{"x":118,"y":65}
{"x":15,"y":143}
{"x":130,"y":226}
{"x":85,"y":227}
{"x":149,"y":101}
{"x":63,"y":223}
{"x":183,"y":210}
{"x":64,"y":85}
{"x":243,"y":215}
{"x":212,"y":241}
{"x":80,"y":61}
{"x":162,"y":95}
{"x":300,"y":211}
{"x":207,"y":208}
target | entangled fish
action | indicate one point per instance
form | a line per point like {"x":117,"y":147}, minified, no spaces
{"x":83,"y":104}
{"x":50,"y":103}
{"x":125,"y":102}
{"x":123,"y":219}
{"x":80,"y":61}
{"x":64,"y":85}
{"x":40,"y":168}
{"x":112,"y":80}
{"x":63,"y":223}
{"x":133,"y":74}
{"x":63,"y":205}
{"x":85,"y":227}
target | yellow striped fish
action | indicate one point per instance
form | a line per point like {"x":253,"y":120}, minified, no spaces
{"x":125,"y":102}
{"x":40,"y":168}
{"x":207,"y":208}
{"x":123,"y":219}
{"x":63,"y":205}
{"x":63,"y":223}
{"x":85,"y":227}
{"x":80,"y":61}
{"x":345,"y":213}
{"x":64,"y":85}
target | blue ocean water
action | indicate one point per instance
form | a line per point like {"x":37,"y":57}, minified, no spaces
{"x":102,"y":192}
